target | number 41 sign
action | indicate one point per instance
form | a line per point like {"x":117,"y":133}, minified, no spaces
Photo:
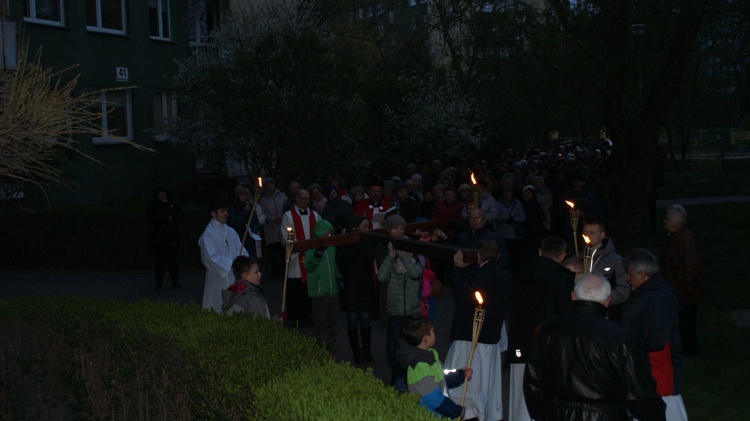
{"x":122,"y":74}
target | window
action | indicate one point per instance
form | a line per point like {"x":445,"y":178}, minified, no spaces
{"x":165,"y":107}
{"x":8,"y":45}
{"x":116,"y":108}
{"x":202,"y":19}
{"x":158,"y":19}
{"x":49,"y":12}
{"x":105,"y":16}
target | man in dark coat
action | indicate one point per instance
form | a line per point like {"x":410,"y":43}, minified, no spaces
{"x":542,"y":290}
{"x":651,"y":320}
{"x":164,"y":217}
{"x":478,"y":233}
{"x":583,"y":367}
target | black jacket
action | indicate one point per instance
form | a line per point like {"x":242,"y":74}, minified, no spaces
{"x":541,"y":290}
{"x":582,"y":367}
{"x":355,"y":262}
{"x":494,"y":283}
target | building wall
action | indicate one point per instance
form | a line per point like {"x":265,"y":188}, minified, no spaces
{"x":124,"y":174}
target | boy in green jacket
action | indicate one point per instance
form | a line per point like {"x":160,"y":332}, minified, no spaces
{"x":322,"y":278}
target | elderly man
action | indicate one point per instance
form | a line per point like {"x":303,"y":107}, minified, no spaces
{"x":683,"y":269}
{"x":582,"y":366}
{"x":477,"y":232}
{"x":651,"y":321}
{"x":301,"y":219}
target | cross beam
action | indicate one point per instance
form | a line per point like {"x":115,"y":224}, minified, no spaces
{"x":431,"y":250}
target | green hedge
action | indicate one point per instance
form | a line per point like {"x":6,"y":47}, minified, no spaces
{"x":88,"y":237}
{"x":84,"y":358}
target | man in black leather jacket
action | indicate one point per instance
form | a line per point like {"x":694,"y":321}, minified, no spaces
{"x":582,"y":366}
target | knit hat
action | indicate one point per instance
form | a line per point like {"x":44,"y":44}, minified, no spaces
{"x":464,"y":186}
{"x":392,"y":222}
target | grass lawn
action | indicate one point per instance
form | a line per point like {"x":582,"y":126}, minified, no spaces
{"x":715,"y":384}
{"x":733,"y":180}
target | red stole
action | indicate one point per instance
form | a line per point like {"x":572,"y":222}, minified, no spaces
{"x":299,"y":233}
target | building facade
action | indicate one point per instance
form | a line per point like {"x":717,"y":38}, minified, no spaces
{"x":125,"y":44}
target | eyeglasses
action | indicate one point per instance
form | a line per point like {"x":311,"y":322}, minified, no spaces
{"x":303,"y":197}
{"x":476,"y":219}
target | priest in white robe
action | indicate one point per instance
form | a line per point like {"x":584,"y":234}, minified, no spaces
{"x":220,"y":245}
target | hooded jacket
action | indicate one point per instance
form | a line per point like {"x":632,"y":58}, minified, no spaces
{"x":609,"y":264}
{"x":425,"y":378}
{"x":322,"y":271}
{"x":403,"y":287}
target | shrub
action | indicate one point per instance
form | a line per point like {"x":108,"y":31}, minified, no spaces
{"x":334,"y":391}
{"x":93,"y":358}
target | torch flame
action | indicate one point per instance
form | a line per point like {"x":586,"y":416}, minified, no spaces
{"x":473,"y":180}
{"x":571,"y":204}
{"x":586,"y":239}
{"x":479,"y":297}
{"x":288,"y":229}
{"x":260,"y":182}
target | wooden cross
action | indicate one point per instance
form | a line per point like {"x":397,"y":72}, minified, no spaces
{"x":429,"y":249}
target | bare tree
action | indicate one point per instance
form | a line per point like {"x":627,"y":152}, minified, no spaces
{"x":40,"y":121}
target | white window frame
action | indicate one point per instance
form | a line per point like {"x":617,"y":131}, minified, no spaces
{"x":100,"y":28}
{"x":167,"y":97}
{"x":164,"y":35}
{"x":106,"y":139}
{"x":32,"y":14}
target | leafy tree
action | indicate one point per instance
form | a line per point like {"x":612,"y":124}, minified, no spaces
{"x":270,"y":94}
{"x":431,"y":118}
{"x":625,"y":63}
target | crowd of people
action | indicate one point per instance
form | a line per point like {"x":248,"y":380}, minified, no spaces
{"x":584,"y":342}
